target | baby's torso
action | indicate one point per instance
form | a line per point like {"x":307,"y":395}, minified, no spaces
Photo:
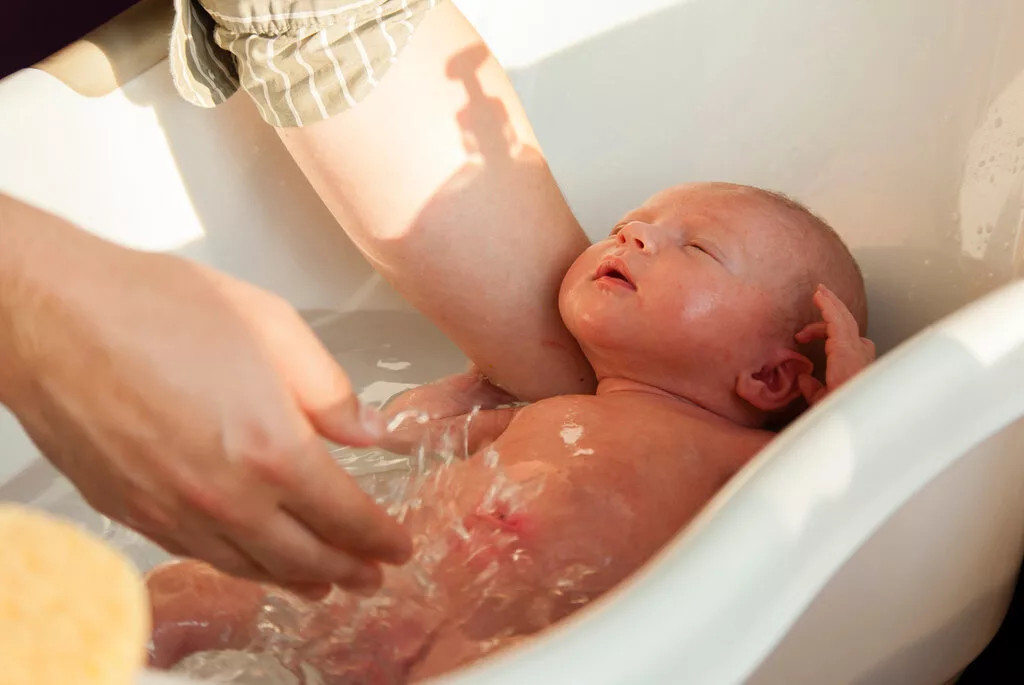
{"x":594,"y":485}
{"x":641,"y":456}
{"x":586,"y":489}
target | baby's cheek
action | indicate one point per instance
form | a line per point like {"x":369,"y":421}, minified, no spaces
{"x":585,"y":264}
{"x":700,"y":305}
{"x":575,"y":281}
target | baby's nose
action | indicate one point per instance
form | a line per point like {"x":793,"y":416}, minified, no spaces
{"x":640,"y":235}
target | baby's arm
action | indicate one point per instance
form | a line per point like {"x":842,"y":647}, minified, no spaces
{"x":196,"y":608}
{"x":463,"y":412}
{"x":451,"y":396}
{"x":847,"y":353}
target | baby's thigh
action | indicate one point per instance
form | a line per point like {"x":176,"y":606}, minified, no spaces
{"x":197,"y":608}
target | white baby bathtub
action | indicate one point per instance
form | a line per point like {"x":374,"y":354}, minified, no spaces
{"x":878,"y":540}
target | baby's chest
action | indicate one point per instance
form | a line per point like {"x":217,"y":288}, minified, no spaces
{"x":609,"y":483}
{"x":595,"y":444}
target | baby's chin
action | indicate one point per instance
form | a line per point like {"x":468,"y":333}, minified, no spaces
{"x":595,"y":327}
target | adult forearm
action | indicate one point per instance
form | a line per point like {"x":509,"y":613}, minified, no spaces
{"x":44,"y":259}
{"x":19,"y":248}
{"x":439,"y":179}
{"x":10,"y":252}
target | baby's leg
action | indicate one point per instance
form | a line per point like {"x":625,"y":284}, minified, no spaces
{"x":197,"y":608}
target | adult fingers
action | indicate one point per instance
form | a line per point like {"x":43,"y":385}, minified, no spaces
{"x":221,"y":553}
{"x":345,"y":420}
{"x":325,"y":395}
{"x":294,"y":556}
{"x":327,"y":500}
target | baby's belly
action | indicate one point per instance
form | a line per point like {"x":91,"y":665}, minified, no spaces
{"x":552,"y":538}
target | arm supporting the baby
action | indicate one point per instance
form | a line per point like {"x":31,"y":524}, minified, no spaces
{"x":470,"y":227}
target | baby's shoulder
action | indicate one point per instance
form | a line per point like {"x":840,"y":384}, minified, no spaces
{"x":560,"y":405}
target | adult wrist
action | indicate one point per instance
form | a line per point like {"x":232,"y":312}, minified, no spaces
{"x":20,"y":235}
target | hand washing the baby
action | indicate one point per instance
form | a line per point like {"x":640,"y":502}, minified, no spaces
{"x":702,"y":314}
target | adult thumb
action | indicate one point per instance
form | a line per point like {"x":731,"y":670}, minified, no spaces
{"x":347,"y":421}
{"x":325,"y":396}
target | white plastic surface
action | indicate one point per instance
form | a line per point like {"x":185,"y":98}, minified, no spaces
{"x":882,"y":532}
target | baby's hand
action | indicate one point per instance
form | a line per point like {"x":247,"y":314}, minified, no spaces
{"x":846,"y":352}
{"x":438,"y":413}
{"x":451,"y":396}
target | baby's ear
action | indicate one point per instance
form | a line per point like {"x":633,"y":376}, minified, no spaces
{"x":776,"y":384}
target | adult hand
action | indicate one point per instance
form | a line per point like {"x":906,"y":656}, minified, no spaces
{"x":187,"y":405}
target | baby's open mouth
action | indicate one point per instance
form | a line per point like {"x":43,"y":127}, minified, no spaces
{"x":614,"y":271}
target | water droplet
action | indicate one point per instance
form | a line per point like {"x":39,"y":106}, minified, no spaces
{"x":1020,"y":142}
{"x":927,"y":262}
{"x":988,"y":229}
{"x":981,"y":164}
{"x":999,"y":122}
{"x":992,"y":158}
{"x":1006,"y":245}
{"x":992,"y":178}
{"x":956,"y":217}
{"x":980,"y":229}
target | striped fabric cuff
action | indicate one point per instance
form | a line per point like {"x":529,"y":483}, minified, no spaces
{"x":302,"y":64}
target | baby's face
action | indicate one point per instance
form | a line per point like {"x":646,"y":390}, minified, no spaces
{"x":688,"y":285}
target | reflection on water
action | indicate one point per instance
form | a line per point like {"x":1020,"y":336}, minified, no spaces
{"x":383,"y":354}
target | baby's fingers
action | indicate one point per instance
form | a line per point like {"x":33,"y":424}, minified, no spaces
{"x":869,"y":348}
{"x":811,"y":388}
{"x":812,"y":332}
{"x":839,"y":319}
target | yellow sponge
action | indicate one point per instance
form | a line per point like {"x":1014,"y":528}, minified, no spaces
{"x":73,"y":611}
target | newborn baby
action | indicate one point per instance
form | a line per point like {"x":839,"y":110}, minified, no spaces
{"x":700,"y":317}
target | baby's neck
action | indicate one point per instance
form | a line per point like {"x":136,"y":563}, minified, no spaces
{"x":625,"y":386}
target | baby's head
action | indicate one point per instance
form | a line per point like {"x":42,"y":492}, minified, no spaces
{"x":700,"y":291}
